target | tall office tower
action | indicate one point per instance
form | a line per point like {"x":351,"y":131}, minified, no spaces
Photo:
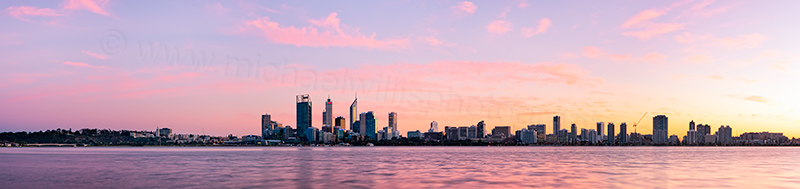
{"x":691,"y":134}
{"x":340,"y":122}
{"x":611,"y":134}
{"x":481,"y":130}
{"x":266,"y":125}
{"x":584,"y":134}
{"x":393,"y":125}
{"x":451,"y":133}
{"x":327,"y":116}
{"x":472,"y":132}
{"x":356,"y":128}
{"x":434,"y":127}
{"x":660,"y":129}
{"x":702,"y":131}
{"x":599,"y":131}
{"x":573,"y":135}
{"x":623,"y":133}
{"x":303,"y":115}
{"x":541,"y":130}
{"x":556,"y":124}
{"x":592,"y":136}
{"x":724,"y":135}
{"x":353,"y":114}
{"x":562,"y":136}
{"x":368,"y":125}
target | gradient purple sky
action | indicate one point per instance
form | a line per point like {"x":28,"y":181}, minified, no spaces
{"x":215,"y":67}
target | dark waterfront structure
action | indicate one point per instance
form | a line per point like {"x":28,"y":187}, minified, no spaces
{"x":481,"y":130}
{"x":556,"y":124}
{"x":660,"y":129}
{"x":611,"y":134}
{"x":303,"y":115}
{"x":623,"y":133}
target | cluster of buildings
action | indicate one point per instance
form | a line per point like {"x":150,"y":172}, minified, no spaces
{"x":361,"y":126}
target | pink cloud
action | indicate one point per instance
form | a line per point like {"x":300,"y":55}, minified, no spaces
{"x":654,"y":56}
{"x":216,"y":8}
{"x":522,"y":4}
{"x":544,"y":24}
{"x":642,"y":25}
{"x":742,"y":41}
{"x":98,"y":56}
{"x":81,"y":64}
{"x":95,"y":6}
{"x":643,"y":16}
{"x":432,"y":41}
{"x":465,"y":7}
{"x":699,"y":58}
{"x":324,"y":37}
{"x":499,"y":27}
{"x":20,"y":12}
{"x":746,"y":41}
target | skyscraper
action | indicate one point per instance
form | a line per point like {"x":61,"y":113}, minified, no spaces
{"x":393,"y":125}
{"x":434,"y":127}
{"x":481,"y":129}
{"x":573,"y":134}
{"x":660,"y":129}
{"x":340,"y":122}
{"x":724,"y":135}
{"x":599,"y":131}
{"x":691,"y":134}
{"x":623,"y":133}
{"x":266,"y":125}
{"x":556,"y":124}
{"x":327,"y":116}
{"x":368,"y":125}
{"x":303,"y":115}
{"x":611,"y":134}
{"x":353,"y":114}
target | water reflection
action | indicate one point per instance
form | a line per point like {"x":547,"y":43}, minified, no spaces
{"x":401,"y":167}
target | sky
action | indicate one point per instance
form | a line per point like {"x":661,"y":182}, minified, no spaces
{"x":214,"y":67}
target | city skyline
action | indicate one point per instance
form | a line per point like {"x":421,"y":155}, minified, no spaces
{"x":102,"y":64}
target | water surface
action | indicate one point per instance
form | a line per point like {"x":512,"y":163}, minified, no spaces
{"x":400,"y":167}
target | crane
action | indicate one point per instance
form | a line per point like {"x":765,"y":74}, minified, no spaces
{"x":637,"y":122}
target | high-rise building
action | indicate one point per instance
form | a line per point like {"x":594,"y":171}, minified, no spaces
{"x":611,"y":134}
{"x":591,"y":136}
{"x":434,"y":127}
{"x":540,"y":131}
{"x":451,"y":132}
{"x":266,"y":125}
{"x":660,"y":129}
{"x":504,"y":131}
{"x":556,"y":124}
{"x":562,"y":136}
{"x":327,"y":116}
{"x":354,"y":114}
{"x":463,"y":133}
{"x":340,"y":122}
{"x":357,"y":128}
{"x":691,"y":134}
{"x":303,"y":115}
{"x":393,"y":125}
{"x":573,"y":134}
{"x":600,"y":128}
{"x":527,"y":136}
{"x":480,"y":131}
{"x":623,"y":133}
{"x":584,"y":135}
{"x":368,"y":125}
{"x":702,"y":131}
{"x":724,"y":135}
{"x":472,"y":132}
